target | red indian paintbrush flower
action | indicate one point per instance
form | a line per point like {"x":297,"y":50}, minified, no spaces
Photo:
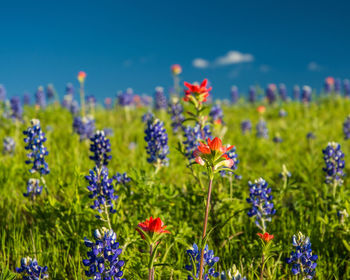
{"x":152,"y":226}
{"x":266,"y":236}
{"x":176,"y":69}
{"x":81,"y":76}
{"x":197,"y":93}
{"x":213,"y":154}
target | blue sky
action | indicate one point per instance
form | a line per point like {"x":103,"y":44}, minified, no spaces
{"x":123,"y":44}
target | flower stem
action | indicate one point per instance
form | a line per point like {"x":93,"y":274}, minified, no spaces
{"x":205,"y":229}
{"x":82,"y":99}
{"x":262,"y":267}
{"x":151,"y":269}
{"x":107,"y":215}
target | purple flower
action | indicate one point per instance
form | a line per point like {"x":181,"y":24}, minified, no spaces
{"x":40,"y":99}
{"x":9,"y":145}
{"x":2,"y":93}
{"x":35,"y":139}
{"x":84,"y":127}
{"x":282,"y":90}
{"x":30,"y":270}
{"x":210,"y":260}
{"x":26,"y":98}
{"x":346,"y":85}
{"x":126,"y":98}
{"x":252,"y":94}
{"x":260,"y":199}
{"x":103,"y":260}
{"x":50,"y":91}
{"x":160,"y":99}
{"x":246,"y":126}
{"x":33,"y":188}
{"x":306,"y":94}
{"x":101,"y":147}
{"x":302,"y":260}
{"x":334,"y":160}
{"x":16,"y":108}
{"x":296,"y":92}
{"x":234,"y":94}
{"x":175,"y":110}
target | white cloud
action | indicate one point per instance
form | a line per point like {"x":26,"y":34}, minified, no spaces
{"x":200,"y":63}
{"x":234,"y":57}
{"x":314,"y":67}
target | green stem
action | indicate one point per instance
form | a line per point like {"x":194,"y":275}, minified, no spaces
{"x":205,"y":229}
{"x":151,"y":269}
{"x":82,"y":99}
{"x":262,"y":267}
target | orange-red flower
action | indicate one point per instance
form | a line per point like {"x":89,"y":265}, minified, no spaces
{"x":81,"y":76}
{"x":213,"y":153}
{"x":266,"y":236}
{"x":176,"y":69}
{"x":152,"y":226}
{"x":197,"y":92}
{"x":261,"y":109}
{"x":330,"y":81}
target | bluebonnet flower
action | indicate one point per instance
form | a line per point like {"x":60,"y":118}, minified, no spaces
{"x":125,"y":98}
{"x":33,"y":188}
{"x":16,"y":108}
{"x":50,"y":91}
{"x":108,"y":131}
{"x":282,"y":90}
{"x":296,"y":92}
{"x":334,"y":160}
{"x":175,"y":110}
{"x":9,"y":145}
{"x":277,"y":139}
{"x":193,"y":135}
{"x":90,"y":103}
{"x":2,"y":93}
{"x":246,"y":126}
{"x":84,"y":127}
{"x":40,"y":99}
{"x":252,"y":94}
{"x":157,"y":142}
{"x":26,"y":98}
{"x":310,"y":135}
{"x":232,"y":155}
{"x":216,"y":114}
{"x":337,"y":86}
{"x":328,"y":84}
{"x":282,"y":113}
{"x":146,"y":100}
{"x":147,"y":117}
{"x":306,"y":94}
{"x":234,"y":94}
{"x":346,"y":128}
{"x":103,"y":259}
{"x":102,"y":190}
{"x":261,"y":130}
{"x":271,"y":93}
{"x":35,"y":139}
{"x":69,"y":89}
{"x":346,"y":86}
{"x":261,"y":200}
{"x":67,"y":101}
{"x":232,"y":274}
{"x":302,"y":260}
{"x":30,"y":270}
{"x":122,"y":178}
{"x":100,"y":146}
{"x":160,"y":99}
{"x":74,"y":107}
{"x":194,"y":255}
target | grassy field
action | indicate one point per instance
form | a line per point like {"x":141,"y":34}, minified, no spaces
{"x":53,"y":227}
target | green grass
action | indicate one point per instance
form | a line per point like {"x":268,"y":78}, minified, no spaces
{"x":54,"y":226}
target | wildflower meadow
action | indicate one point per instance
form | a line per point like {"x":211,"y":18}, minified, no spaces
{"x":176,"y":185}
